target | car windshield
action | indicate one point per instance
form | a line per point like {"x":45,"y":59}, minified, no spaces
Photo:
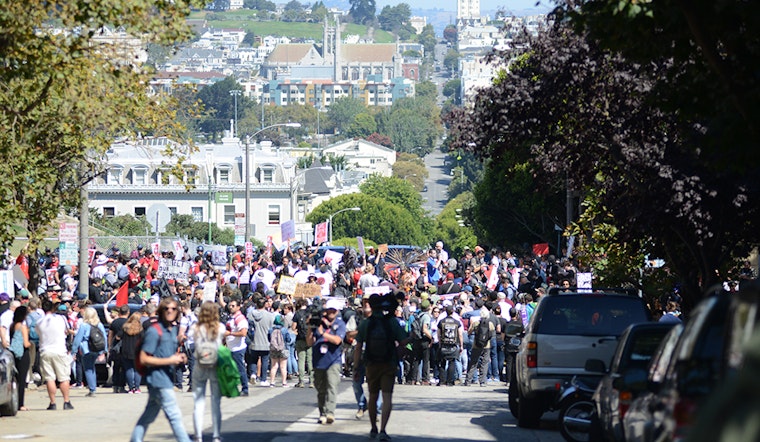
{"x":589,"y":315}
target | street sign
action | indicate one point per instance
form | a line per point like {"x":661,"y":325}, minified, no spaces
{"x":223,"y":197}
{"x":68,"y":232}
{"x":158,"y":216}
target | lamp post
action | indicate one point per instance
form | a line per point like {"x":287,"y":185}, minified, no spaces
{"x":248,"y":173}
{"x":355,"y":209}
{"x":235,"y":93}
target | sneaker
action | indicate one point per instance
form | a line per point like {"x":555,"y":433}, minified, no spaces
{"x":359,"y":414}
{"x":373,"y":434}
{"x":383,"y":436}
{"x":136,"y":391}
{"x":285,"y":385}
{"x":322,"y":420}
{"x":52,"y":406}
{"x":252,"y":381}
{"x":330,"y":418}
{"x":244,"y":393}
{"x":90,"y":394}
{"x":66,"y":406}
{"x":264,"y":384}
{"x":271,"y":385}
{"x":300,"y":385}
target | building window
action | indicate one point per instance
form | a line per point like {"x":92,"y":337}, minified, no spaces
{"x":267,"y":175}
{"x":224,"y":176}
{"x":190,"y":176}
{"x":114,"y":176}
{"x":273,"y":215}
{"x":173,"y":210}
{"x":139,"y":211}
{"x":139,"y":176}
{"x":229,"y":215}
{"x":109,"y":212}
{"x":197,"y":213}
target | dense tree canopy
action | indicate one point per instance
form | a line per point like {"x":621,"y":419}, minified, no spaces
{"x":393,"y":18}
{"x":575,"y":110}
{"x":219,"y":104}
{"x":363,"y":11}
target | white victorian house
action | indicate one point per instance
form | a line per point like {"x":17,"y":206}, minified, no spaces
{"x":364,"y":156}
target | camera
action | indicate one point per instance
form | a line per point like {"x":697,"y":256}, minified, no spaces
{"x":315,"y":311}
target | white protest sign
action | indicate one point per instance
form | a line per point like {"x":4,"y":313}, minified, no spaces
{"x":155,"y":248}
{"x":583,"y":281}
{"x":209,"y":291}
{"x":287,"y":285}
{"x":6,"y":283}
{"x":379,"y":290}
{"x":179,"y":251}
{"x":173,"y":269}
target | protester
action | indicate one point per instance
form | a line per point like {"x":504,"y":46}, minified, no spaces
{"x":55,"y":360}
{"x":131,"y":335}
{"x":20,"y":332}
{"x":159,"y":354}
{"x":82,"y":345}
{"x":325,"y":340}
{"x":208,"y":330}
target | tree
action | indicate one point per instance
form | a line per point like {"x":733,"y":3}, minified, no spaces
{"x":260,"y":5}
{"x":379,"y":220}
{"x":426,"y":90}
{"x":66,"y":94}
{"x":395,"y":190}
{"x":184,"y":225}
{"x":577,"y":111}
{"x":428,"y":40}
{"x":413,"y":172}
{"x":342,"y":111}
{"x":451,"y":226}
{"x":318,"y":12}
{"x":413,"y":125}
{"x":393,"y":18}
{"x":451,"y":60}
{"x":364,"y":124}
{"x":450,"y":34}
{"x":122,"y":225}
{"x":453,"y":89}
{"x":293,"y":12}
{"x":382,"y":140}
{"x":363,"y":11}
{"x":220,"y":105}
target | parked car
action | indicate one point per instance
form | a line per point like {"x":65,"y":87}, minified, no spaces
{"x":8,"y":389}
{"x":566,"y":329}
{"x":625,"y":379}
{"x":709,"y":351}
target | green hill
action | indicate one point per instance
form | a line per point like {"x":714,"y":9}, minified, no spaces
{"x":246,"y":19}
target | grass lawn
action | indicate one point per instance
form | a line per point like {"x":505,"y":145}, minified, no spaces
{"x":246,"y":19}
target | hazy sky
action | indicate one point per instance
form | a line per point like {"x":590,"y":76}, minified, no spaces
{"x":485,"y":5}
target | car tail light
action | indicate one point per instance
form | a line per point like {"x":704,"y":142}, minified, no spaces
{"x":532,"y":354}
{"x":683,"y":414}
{"x":624,"y":403}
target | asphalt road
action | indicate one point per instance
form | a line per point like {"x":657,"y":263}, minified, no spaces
{"x":437,"y":183}
{"x":420,"y":413}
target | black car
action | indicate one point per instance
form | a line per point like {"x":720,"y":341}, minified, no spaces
{"x":8,"y":389}
{"x":625,"y":379}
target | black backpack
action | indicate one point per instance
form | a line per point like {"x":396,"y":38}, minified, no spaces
{"x":97,"y":340}
{"x":482,"y":333}
{"x":379,"y":344}
{"x":415,"y":327}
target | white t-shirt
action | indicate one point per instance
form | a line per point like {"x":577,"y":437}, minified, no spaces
{"x":52,"y":331}
{"x":6,"y":320}
{"x":237,"y":323}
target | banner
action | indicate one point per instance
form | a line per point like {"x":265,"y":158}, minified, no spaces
{"x":173,"y":269}
{"x":583,"y":282}
{"x":320,"y":233}
{"x":287,"y":285}
{"x":378,"y":290}
{"x":493,"y":276}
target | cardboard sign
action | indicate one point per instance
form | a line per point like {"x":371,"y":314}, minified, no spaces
{"x":209,"y":291}
{"x":382,"y":248}
{"x":320,"y":233}
{"x":287,"y":285}
{"x":173,"y":269}
{"x":307,"y":290}
{"x":179,"y":251}
{"x":360,"y":245}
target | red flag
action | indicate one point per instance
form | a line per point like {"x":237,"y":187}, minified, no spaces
{"x":122,"y":295}
{"x":541,"y":249}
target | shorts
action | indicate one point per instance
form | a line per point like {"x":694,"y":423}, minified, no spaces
{"x":285,"y":354}
{"x":381,"y":377}
{"x":55,"y":367}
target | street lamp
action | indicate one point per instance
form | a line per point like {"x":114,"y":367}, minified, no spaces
{"x":248,"y":172}
{"x":355,"y":209}
{"x":235,"y":93}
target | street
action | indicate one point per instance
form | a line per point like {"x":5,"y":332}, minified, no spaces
{"x":420,"y":413}
{"x":437,"y":183}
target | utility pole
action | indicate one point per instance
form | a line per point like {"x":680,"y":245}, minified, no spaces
{"x":235,"y":93}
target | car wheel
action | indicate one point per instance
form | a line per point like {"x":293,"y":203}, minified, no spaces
{"x":530,"y":412}
{"x":11,"y":407}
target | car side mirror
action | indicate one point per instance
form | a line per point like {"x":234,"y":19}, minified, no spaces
{"x":595,"y":366}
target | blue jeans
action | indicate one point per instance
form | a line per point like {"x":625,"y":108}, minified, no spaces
{"x":133,"y":377}
{"x":239,"y":357}
{"x":292,"y":362}
{"x":200,"y":376}
{"x":88,"y":363}
{"x":160,"y":399}
{"x":493,"y":368}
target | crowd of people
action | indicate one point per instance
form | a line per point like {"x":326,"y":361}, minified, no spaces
{"x":444,"y":321}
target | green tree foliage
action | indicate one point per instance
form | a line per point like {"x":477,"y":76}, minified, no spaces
{"x":413,"y":172}
{"x":342,"y":112}
{"x":426,"y":90}
{"x":413,"y":124}
{"x":318,"y":12}
{"x":260,"y":5}
{"x":122,"y":225}
{"x":393,"y":18}
{"x":220,"y":105}
{"x":451,"y":60}
{"x":453,"y":89}
{"x":621,"y":132}
{"x":363,"y":126}
{"x":448,"y":229}
{"x":379,"y":220}
{"x":183,"y":225}
{"x":337,"y":162}
{"x":450,"y":34}
{"x":363,"y":11}
{"x":293,"y":12}
{"x":428,"y":40}
{"x":395,"y":190}
{"x":65,"y":95}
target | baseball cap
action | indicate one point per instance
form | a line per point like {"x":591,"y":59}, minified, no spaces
{"x":334,"y":304}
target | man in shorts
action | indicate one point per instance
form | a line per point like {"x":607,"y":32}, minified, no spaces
{"x":55,"y":360}
{"x":380,"y":358}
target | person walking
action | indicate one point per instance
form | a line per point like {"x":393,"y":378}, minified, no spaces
{"x":20,"y":332}
{"x":451,"y":337}
{"x":237,"y":329}
{"x":278,"y":350}
{"x":325,"y":341}
{"x":55,"y":360}
{"x":380,"y":336}
{"x":303,"y":351}
{"x":480,"y":358}
{"x":83,"y":343}
{"x":207,"y":334}
{"x":131,"y":334}
{"x":159,"y":353}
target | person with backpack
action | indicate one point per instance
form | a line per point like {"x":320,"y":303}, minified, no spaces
{"x":208,"y":335}
{"x":159,"y":354}
{"x":303,"y":352}
{"x":421,"y":338}
{"x":131,"y":335}
{"x":279,"y":339}
{"x":325,"y":335}
{"x":380,"y":336}
{"x":90,"y":341}
{"x":451,"y":337}
{"x":480,"y":357}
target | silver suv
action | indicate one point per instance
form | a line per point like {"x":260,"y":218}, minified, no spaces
{"x":566,"y":329}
